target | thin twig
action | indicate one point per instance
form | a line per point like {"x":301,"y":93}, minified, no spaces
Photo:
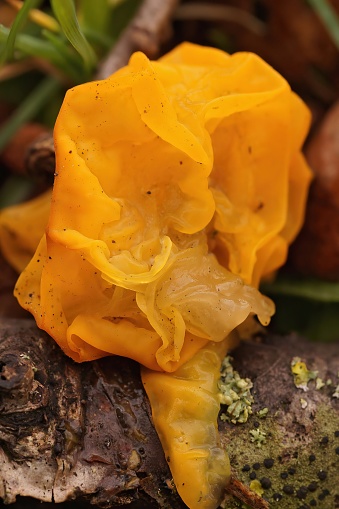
{"x":146,"y":32}
{"x":216,"y":12}
{"x":15,"y":69}
{"x":244,"y":494}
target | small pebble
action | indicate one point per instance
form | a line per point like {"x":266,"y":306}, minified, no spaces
{"x":337,"y":450}
{"x":313,"y":502}
{"x":312,"y":457}
{"x":312,"y":486}
{"x":253,"y":476}
{"x":284,"y":475}
{"x":336,"y":433}
{"x":256,"y":466}
{"x":324,"y":441}
{"x":246,"y":468}
{"x":277,"y":497}
{"x":291,"y":471}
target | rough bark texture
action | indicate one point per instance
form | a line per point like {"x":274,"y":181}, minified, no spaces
{"x":75,"y":431}
{"x":83,"y":433}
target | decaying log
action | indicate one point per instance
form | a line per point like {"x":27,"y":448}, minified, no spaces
{"x":75,"y":431}
{"x":83,"y":432}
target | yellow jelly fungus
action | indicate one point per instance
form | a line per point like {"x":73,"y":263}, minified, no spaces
{"x":21,"y":228}
{"x":180,"y":184}
{"x":186,"y":406}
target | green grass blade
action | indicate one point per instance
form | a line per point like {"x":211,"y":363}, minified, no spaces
{"x":95,"y":15}
{"x":310,"y":289}
{"x":37,"y":47}
{"x":28,"y":109}
{"x":18,"y":23}
{"x":318,"y":321}
{"x":65,"y":13}
{"x":329,"y":17}
{"x":72,"y":61}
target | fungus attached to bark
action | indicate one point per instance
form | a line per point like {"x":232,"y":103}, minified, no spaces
{"x":179,"y":184}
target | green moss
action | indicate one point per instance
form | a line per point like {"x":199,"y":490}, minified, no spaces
{"x":295,"y":470}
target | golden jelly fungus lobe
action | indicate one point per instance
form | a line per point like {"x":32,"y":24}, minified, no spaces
{"x":185,"y":407}
{"x":179,"y":185}
{"x":170,"y":199}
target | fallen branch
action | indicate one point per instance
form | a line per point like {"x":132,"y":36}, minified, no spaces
{"x":83,"y":432}
{"x":146,"y":32}
{"x":244,"y":494}
{"x":219,"y":13}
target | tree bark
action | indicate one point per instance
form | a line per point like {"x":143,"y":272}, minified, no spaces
{"x":75,"y":431}
{"x":83,"y":432}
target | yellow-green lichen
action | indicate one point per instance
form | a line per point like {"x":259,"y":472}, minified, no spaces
{"x":262,"y":413}
{"x":258,"y":436}
{"x":301,"y":374}
{"x":235,"y":394}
